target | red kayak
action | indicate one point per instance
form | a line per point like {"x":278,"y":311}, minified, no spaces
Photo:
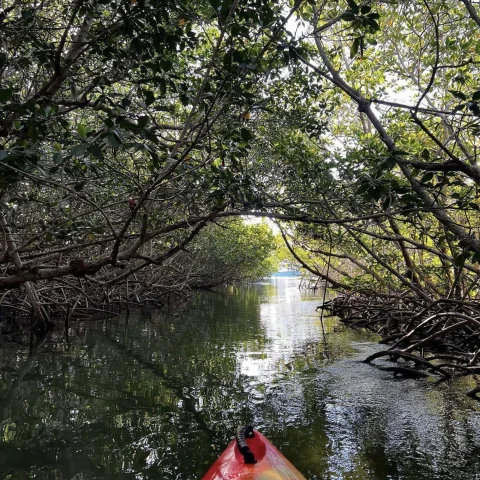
{"x":252,"y":457}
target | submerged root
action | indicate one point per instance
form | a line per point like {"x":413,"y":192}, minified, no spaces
{"x":418,"y":361}
{"x":405,"y":372}
{"x":473,"y":393}
{"x":440,"y":337}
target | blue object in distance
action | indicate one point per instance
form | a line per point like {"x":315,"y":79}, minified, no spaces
{"x":289,"y":273}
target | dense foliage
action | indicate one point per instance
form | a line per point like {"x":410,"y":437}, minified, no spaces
{"x":129,"y":127}
{"x":233,"y":252}
{"x":123,"y":133}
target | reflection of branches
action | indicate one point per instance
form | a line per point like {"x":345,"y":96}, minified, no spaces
{"x":172,"y":383}
{"x":10,"y":396}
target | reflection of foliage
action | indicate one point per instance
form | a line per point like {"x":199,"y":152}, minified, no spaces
{"x":149,"y":393}
{"x":160,"y":396}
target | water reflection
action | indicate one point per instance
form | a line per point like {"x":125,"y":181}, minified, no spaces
{"x":158,"y":397}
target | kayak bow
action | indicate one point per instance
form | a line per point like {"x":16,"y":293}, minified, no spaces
{"x":252,"y":457}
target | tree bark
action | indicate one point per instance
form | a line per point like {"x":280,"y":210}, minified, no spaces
{"x":40,"y":314}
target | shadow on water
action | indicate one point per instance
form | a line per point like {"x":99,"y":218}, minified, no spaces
{"x":159,"y":397}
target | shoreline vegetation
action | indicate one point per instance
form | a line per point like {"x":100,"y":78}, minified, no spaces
{"x":439,"y":339}
{"x":136,"y":137}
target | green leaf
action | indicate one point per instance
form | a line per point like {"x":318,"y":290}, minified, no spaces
{"x":450,"y":42}
{"x":459,"y":260}
{"x":79,"y":150}
{"x":476,"y":95}
{"x":476,"y":257}
{"x":365,"y":9}
{"x":427,"y":177}
{"x":387,"y":163}
{"x":355,"y":46}
{"x":114,"y":139}
{"x":33,"y":132}
{"x":82,"y":130}
{"x":458,"y":94}
{"x":387,"y":202}
{"x":246,"y":134}
{"x":353,"y":6}
{"x":374,"y":26}
{"x":57,"y":158}
{"x":459,"y":107}
{"x":3,"y":154}
{"x":426,"y":154}
{"x":459,"y":79}
{"x":108,"y":122}
{"x":96,"y":151}
{"x":162,"y":87}
{"x":149,"y":97}
{"x":348,"y":16}
{"x":5,"y":94}
{"x":363,"y":188}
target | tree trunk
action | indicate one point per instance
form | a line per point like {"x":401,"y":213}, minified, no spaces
{"x":39,"y":312}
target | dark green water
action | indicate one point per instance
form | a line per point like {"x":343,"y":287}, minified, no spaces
{"x":159,"y":397}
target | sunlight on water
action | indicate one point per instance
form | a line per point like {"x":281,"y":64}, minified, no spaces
{"x":286,"y":327}
{"x":160,"y":396}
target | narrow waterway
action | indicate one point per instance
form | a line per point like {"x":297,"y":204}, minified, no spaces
{"x":159,"y":397}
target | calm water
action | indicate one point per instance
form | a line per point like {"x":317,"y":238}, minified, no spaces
{"x":159,"y":397}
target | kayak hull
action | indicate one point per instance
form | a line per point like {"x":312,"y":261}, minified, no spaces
{"x":270,"y":465}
